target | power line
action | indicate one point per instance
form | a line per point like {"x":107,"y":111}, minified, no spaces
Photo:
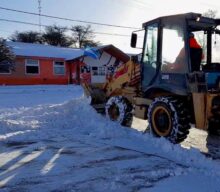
{"x":22,"y":22}
{"x":113,"y":34}
{"x":35,"y":24}
{"x":68,"y":19}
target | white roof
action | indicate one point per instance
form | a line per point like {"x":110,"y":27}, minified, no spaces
{"x":39,"y":50}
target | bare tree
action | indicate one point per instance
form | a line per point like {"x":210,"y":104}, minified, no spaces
{"x":7,"y":58}
{"x":55,"y":35}
{"x":83,"y":36}
{"x":26,"y":37}
{"x":210,"y":13}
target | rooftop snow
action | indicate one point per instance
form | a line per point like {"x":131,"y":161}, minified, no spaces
{"x":39,"y":50}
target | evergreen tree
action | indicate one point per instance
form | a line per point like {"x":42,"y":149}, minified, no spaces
{"x":7,"y":58}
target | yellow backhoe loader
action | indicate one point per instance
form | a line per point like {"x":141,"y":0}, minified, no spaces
{"x":174,"y":85}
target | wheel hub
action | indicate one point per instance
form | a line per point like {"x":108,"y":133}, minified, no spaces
{"x":113,"y":112}
{"x":161,"y":121}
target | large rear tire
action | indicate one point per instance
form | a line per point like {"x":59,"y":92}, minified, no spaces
{"x":169,"y":118}
{"x":119,"y":109}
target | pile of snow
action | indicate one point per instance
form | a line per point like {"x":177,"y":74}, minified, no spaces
{"x":30,"y":96}
{"x":73,"y":119}
{"x":76,"y":118}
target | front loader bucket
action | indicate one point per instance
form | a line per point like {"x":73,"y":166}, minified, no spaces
{"x":98,"y":96}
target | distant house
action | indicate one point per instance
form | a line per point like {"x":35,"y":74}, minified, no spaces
{"x":109,"y":58}
{"x":45,"y":64}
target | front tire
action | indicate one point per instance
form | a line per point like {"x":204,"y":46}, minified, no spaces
{"x":119,"y":109}
{"x":168,"y":118}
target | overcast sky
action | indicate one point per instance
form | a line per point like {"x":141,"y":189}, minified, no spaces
{"x":118,"y":12}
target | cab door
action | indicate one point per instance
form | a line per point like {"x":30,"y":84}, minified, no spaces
{"x":149,"y":58}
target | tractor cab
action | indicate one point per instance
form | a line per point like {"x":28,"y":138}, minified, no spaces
{"x":181,"y":68}
{"x":175,"y":48}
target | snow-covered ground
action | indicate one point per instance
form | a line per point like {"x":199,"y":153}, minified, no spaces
{"x":51,"y":139}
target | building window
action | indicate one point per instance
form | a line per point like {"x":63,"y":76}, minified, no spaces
{"x":94,"y":71}
{"x":98,"y":71}
{"x":32,"y":66}
{"x":102,"y":71}
{"x":59,"y":68}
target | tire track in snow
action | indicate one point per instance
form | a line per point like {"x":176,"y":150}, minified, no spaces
{"x":133,"y":171}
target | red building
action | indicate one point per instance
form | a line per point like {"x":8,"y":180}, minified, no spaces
{"x":45,"y":64}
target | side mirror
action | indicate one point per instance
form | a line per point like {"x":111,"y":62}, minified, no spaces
{"x":133,"y":40}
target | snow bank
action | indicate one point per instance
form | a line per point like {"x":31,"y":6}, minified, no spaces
{"x":29,"y":96}
{"x":76,"y":119}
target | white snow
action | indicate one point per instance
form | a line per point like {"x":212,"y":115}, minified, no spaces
{"x":40,"y":50}
{"x":53,"y":140}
